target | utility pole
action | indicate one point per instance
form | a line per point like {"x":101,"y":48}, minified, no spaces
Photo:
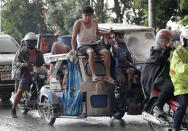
{"x":91,"y":3}
{"x":1,"y":16}
{"x":152,"y":13}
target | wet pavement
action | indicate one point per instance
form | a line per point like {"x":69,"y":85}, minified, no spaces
{"x":32,"y":122}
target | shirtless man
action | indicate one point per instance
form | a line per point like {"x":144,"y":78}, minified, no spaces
{"x":85,"y":31}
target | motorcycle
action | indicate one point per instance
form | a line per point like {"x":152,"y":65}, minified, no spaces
{"x":162,"y":122}
{"x":133,"y":99}
{"x":29,"y":99}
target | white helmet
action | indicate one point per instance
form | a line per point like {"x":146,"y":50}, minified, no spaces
{"x":30,"y":36}
{"x":163,"y":34}
{"x":183,"y":36}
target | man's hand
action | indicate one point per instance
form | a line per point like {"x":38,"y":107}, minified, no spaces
{"x":131,"y":64}
{"x":110,"y":31}
{"x":73,"y":52}
{"x":170,"y":44}
{"x":25,"y":65}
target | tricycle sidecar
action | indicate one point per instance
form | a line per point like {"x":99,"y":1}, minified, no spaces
{"x":96,"y":96}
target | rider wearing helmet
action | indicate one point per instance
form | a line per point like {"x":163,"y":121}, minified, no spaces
{"x":27,"y":57}
{"x":179,"y":76}
{"x":155,"y":72}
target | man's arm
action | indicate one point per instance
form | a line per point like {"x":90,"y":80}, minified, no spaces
{"x":76,"y":29}
{"x":101,"y":33}
{"x":114,"y":50}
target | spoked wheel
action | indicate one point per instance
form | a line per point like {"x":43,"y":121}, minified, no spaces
{"x":156,"y":127}
{"x":47,"y":112}
{"x":25,"y":111}
{"x":119,"y":115}
{"x":40,"y":112}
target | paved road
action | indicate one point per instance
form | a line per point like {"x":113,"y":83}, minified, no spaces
{"x":32,"y":122}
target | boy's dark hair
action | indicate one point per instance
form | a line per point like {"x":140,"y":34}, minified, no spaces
{"x":88,"y":10}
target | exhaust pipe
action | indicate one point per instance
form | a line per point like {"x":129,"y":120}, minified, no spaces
{"x":150,"y":118}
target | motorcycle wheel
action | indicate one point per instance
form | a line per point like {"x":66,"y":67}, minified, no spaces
{"x":153,"y":126}
{"x":119,"y":115}
{"x":25,"y":111}
{"x":48,"y":112}
{"x":40,"y":112}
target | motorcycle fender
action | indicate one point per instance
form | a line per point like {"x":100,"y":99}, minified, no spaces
{"x":46,"y":92}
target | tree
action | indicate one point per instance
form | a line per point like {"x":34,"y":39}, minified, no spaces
{"x":183,"y":6}
{"x":165,"y":9}
{"x":20,"y":17}
{"x":101,"y":10}
{"x":61,"y":15}
{"x":128,"y":11}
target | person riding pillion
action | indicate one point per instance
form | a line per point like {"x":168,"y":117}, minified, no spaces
{"x":28,"y":56}
{"x":179,"y":77}
{"x":155,"y":72}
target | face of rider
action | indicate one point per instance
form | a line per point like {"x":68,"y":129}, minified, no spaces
{"x":163,"y":38}
{"x":114,"y":38}
{"x":164,"y":41}
{"x":31,"y":44}
{"x":87,"y":17}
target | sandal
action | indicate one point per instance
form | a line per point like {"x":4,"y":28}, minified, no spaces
{"x":96,"y":79}
{"x":110,"y":81}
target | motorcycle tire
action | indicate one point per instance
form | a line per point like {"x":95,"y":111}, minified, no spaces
{"x":119,"y":115}
{"x":153,"y":126}
{"x":48,"y":112}
{"x":25,"y":111}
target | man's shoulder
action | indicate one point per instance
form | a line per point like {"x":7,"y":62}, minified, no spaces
{"x":79,"y":21}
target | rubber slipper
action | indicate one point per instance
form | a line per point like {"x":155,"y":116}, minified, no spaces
{"x":96,"y":79}
{"x":110,"y":81}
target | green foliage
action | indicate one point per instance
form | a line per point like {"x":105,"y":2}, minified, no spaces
{"x":61,"y":15}
{"x":184,"y":12}
{"x":20,"y":17}
{"x":183,"y":5}
{"x":101,"y":11}
{"x":165,"y":9}
{"x":128,"y":11}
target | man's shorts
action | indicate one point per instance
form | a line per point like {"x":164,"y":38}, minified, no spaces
{"x":25,"y":83}
{"x":17,"y":80}
{"x":96,"y":47}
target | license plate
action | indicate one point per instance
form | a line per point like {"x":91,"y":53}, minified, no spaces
{"x":41,"y":76}
{"x":6,"y":77}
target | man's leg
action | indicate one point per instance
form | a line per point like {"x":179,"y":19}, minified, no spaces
{"x":123,"y":90}
{"x":130,"y":77}
{"x":90,"y":52}
{"x":180,"y":112}
{"x":16,"y":100}
{"x":16,"y":84}
{"x":166,"y":94}
{"x":22,"y":85}
{"x":164,"y":84}
{"x":107,"y":63}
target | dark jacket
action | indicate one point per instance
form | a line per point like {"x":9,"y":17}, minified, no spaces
{"x":23,"y":56}
{"x":153,"y":67}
